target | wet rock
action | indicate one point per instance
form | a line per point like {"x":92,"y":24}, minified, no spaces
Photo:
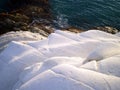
{"x":108,"y":29}
{"x":10,"y":22}
{"x":73,"y":29}
{"x":9,"y":5}
{"x":23,"y":16}
{"x":38,"y":30}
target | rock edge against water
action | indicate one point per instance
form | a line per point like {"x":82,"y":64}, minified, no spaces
{"x":34,"y":16}
{"x":31,"y":13}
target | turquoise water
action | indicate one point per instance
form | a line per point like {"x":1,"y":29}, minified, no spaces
{"x":86,"y":14}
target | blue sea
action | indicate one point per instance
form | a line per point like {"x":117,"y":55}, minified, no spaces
{"x":86,"y":14}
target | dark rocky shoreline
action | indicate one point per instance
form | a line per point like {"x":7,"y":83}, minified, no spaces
{"x":29,"y":15}
{"x":34,"y":16}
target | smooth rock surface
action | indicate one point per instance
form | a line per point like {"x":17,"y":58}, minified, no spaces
{"x":63,"y":61}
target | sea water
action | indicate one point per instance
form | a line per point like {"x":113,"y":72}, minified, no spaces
{"x":3,"y":5}
{"x":86,"y":14}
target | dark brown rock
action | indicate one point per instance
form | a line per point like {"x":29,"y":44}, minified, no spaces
{"x":108,"y":29}
{"x":27,"y":15}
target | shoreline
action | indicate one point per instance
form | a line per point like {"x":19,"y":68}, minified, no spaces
{"x":35,"y":16}
{"x":26,"y":17}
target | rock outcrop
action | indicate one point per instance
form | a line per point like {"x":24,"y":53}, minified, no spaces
{"x":25,"y":15}
{"x":108,"y":29}
{"x":64,"y":61}
{"x":19,"y":36}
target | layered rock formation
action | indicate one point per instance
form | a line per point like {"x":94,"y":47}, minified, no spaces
{"x":19,"y":36}
{"x":64,"y":61}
